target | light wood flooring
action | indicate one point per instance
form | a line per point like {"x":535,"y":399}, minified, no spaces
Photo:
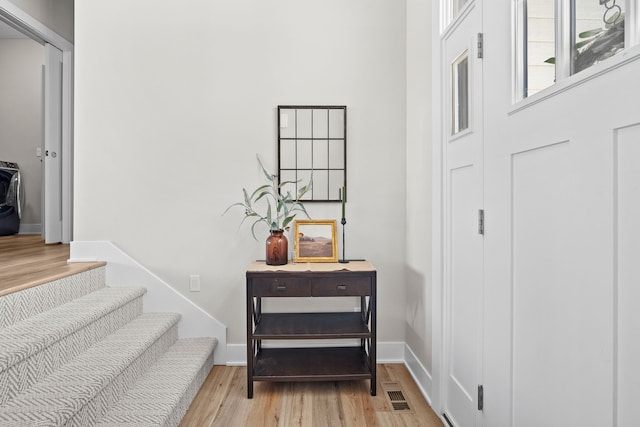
{"x":222,"y":401}
{"x":25,"y":261}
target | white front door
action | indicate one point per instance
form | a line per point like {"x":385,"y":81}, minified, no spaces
{"x":463,"y":241}
{"x":562,"y":201}
{"x":53,"y":146}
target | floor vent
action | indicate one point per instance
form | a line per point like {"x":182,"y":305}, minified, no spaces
{"x":395,"y":396}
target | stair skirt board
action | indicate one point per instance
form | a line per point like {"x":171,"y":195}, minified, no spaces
{"x":74,"y":352}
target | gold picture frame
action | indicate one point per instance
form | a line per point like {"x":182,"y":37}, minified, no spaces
{"x":315,"y":240}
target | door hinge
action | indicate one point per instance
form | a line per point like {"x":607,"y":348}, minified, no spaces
{"x":480,"y":397}
{"x":480,"y":45}
{"x":481,"y":221}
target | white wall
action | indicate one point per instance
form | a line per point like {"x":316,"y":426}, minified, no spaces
{"x":418,"y":260}
{"x":172,"y":102}
{"x":21,"y":62}
{"x":55,"y":14}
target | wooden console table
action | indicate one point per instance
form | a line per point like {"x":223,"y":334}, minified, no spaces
{"x":329,"y":363}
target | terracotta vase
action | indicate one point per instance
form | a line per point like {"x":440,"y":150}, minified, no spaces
{"x":277,"y":248}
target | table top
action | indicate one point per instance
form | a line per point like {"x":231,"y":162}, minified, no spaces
{"x":261,"y":267}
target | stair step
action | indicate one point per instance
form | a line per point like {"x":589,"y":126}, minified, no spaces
{"x":163,"y":394}
{"x":80,"y":392}
{"x":17,"y":306}
{"x":35,"y":347}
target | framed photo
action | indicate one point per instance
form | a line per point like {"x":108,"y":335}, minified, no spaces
{"x":315,"y":240}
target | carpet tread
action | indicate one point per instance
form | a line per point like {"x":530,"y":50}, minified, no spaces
{"x":63,"y":394}
{"x":155,"y":399}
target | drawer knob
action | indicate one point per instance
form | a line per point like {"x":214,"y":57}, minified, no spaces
{"x":281,"y":288}
{"x":342,"y":287}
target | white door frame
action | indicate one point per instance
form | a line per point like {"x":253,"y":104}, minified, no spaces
{"x":437,"y":272}
{"x":17,"y":18}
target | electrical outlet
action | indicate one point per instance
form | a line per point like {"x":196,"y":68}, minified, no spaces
{"x":194,"y":283}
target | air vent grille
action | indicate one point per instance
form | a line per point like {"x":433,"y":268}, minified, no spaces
{"x":396,"y":397}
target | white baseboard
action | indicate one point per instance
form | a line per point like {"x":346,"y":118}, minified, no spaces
{"x":236,"y":355}
{"x":420,"y":375}
{"x":30,"y":229}
{"x":390,"y":352}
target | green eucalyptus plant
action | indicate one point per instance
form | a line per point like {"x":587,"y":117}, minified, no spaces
{"x":281,"y":207}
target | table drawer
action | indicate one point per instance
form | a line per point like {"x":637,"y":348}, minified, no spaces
{"x":281,"y":287}
{"x":335,"y":287}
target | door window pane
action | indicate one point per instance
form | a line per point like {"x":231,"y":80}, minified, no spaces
{"x":597,"y":31}
{"x":460,"y":79}
{"x":556,"y":39}
{"x":539,"y":45}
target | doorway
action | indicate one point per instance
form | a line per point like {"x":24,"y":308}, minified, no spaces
{"x":57,"y":113}
{"x":21,"y":118}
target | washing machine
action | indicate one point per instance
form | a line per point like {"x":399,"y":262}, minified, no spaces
{"x":11,"y":198}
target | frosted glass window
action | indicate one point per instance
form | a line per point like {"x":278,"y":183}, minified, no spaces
{"x":460,"y":95}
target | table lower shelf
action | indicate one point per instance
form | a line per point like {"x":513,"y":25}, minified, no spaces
{"x":311,"y":364}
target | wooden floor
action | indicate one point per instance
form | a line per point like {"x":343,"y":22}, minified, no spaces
{"x":222,"y":401}
{"x":25,"y":261}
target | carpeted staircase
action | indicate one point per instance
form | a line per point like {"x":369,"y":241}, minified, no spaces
{"x":74,"y":352}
